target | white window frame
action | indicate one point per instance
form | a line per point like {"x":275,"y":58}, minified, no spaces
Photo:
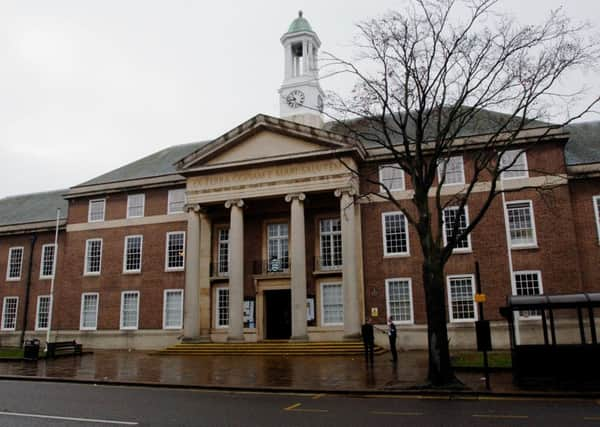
{"x":42,"y":256}
{"x":85,"y":258}
{"x":322,"y":304}
{"x":137,"y":311}
{"x":10,"y":255}
{"x":331,"y":236}
{"x":167,"y":268}
{"x":284,"y":262}
{"x":524,"y":172}
{"x":596,"y":201}
{"x":165,"y":293}
{"x":219,"y":255}
{"x":531,"y":245}
{"x":129,"y":199}
{"x":411,"y":321}
{"x":386,"y":253}
{"x":382,"y":178}
{"x":514,"y":284}
{"x":125,"y":241}
{"x":92,"y":201}
{"x":473,"y":292}
{"x":217,"y":292}
{"x":170,"y":201}
{"x":89,"y":328}
{"x":469,"y":248}
{"x":442,"y":167}
{"x":37,"y":312}
{"x":4,"y":301}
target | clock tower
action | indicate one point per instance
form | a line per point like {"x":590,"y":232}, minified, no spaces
{"x":301,"y":96}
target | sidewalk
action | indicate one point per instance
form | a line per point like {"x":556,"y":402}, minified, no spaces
{"x":308,"y":374}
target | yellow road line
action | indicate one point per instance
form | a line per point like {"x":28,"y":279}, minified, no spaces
{"x":406,"y":414}
{"x":505,"y":417}
{"x":292,"y":407}
{"x":318,"y":396}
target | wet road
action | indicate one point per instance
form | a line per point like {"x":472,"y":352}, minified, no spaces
{"x":24,"y":403}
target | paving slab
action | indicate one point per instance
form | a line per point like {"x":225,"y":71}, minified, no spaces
{"x":291,"y":373}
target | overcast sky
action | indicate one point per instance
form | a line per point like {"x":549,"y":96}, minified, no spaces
{"x":88,"y":86}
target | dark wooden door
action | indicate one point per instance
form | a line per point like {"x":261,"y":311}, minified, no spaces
{"x":278,"y":314}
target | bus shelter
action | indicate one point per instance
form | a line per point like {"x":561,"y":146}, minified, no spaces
{"x":554,"y":339}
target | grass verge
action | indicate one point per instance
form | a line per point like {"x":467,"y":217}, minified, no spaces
{"x":474,"y":359}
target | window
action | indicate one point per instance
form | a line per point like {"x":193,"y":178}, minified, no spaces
{"x":175,"y":251}
{"x":93,"y":256}
{"x":331,"y":243}
{"x":132,"y":254}
{"x":392,"y":177}
{"x":9,"y":313}
{"x":277,"y":247}
{"x":173,"y":309}
{"x":15,"y":260}
{"x":528,"y":283}
{"x":47,"y":262}
{"x":398,"y":295}
{"x":176,"y":201}
{"x":518,"y":160}
{"x":42,"y":313}
{"x":222,"y":306}
{"x":454,"y":168}
{"x":135,"y":205}
{"x":395,"y":235}
{"x":130,"y":303}
{"x":521,"y":224}
{"x":223,"y":252}
{"x":332,"y":305}
{"x":89,"y":312}
{"x":450,"y":217}
{"x":461,"y":298}
{"x":96,"y":210}
{"x":596,"y":201}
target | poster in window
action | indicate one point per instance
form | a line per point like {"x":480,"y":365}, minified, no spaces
{"x":310,"y":309}
{"x":249,"y":314}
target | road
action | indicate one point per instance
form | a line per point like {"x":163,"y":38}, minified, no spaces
{"x":26,"y":403}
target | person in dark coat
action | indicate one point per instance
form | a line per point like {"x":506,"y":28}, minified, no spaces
{"x":368,"y":339}
{"x":392,"y":336}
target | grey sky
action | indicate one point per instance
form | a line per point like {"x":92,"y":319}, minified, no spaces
{"x":87,"y":86}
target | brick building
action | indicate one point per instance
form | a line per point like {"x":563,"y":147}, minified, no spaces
{"x":259,"y":234}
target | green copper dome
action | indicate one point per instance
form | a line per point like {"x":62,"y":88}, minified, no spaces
{"x":300,"y":24}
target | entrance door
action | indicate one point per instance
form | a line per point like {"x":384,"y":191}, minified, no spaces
{"x":278,"y":314}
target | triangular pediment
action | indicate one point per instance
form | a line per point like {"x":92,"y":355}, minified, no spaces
{"x":263,"y":139}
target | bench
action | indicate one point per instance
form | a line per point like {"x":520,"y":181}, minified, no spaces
{"x":63,"y":348}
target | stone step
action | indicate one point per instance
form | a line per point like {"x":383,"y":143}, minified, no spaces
{"x":270,"y":348}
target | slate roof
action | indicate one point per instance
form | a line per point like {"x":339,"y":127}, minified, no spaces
{"x":584,"y":143}
{"x":156,"y":164}
{"x":485,"y":121}
{"x":30,"y":208}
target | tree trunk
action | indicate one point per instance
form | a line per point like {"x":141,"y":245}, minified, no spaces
{"x":440,"y":371}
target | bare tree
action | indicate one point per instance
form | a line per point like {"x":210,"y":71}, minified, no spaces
{"x":448,"y":77}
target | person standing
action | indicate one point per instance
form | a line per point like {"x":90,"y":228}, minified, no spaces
{"x":392,"y":337}
{"x":368,"y":339}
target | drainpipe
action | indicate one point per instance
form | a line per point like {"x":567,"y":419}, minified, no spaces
{"x":28,"y":288}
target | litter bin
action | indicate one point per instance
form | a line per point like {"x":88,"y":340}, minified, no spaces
{"x":31,"y":349}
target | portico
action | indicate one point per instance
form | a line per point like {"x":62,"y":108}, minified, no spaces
{"x":262,"y":203}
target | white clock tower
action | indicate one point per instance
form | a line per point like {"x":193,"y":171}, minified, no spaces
{"x":301,"y":96}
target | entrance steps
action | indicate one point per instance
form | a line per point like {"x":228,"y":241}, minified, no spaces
{"x":270,"y":348}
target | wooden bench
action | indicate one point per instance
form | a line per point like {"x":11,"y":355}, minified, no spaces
{"x":63,"y":348}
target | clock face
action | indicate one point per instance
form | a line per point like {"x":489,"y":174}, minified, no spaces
{"x":320,"y":103}
{"x":295,"y":98}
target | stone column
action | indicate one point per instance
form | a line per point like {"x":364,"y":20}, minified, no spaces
{"x":204,"y":275}
{"x":298,"y":266}
{"x":236,"y":270}
{"x":350,"y":286}
{"x":191,"y":311}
